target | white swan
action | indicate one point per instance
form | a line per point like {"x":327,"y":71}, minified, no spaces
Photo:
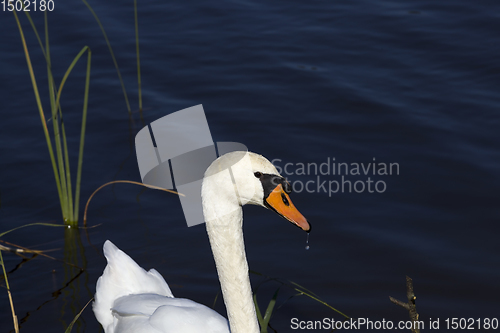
{"x":129,"y":299}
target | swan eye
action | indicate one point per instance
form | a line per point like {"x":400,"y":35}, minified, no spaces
{"x":285,"y":200}
{"x":257,"y":174}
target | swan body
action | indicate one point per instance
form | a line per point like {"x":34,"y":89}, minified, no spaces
{"x":129,"y":299}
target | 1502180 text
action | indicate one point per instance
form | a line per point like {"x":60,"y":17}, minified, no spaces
{"x":27,"y":5}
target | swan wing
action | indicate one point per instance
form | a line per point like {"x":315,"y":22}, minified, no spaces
{"x":155,"y":313}
{"x":122,"y":276}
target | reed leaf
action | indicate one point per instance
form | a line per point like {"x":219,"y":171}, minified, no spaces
{"x":264,"y":321}
{"x":269,"y":310}
{"x":32,"y":224}
{"x":138,"y":57}
{"x":70,"y":327}
{"x":82,"y":137}
{"x":127,"y":182}
{"x":111,"y":52}
{"x":11,"y":302}
{"x":257,"y":310}
{"x":40,"y":109}
{"x":36,"y":33}
{"x":302,"y":291}
{"x":55,"y":124}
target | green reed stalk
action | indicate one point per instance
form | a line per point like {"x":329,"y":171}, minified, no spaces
{"x":14,"y":317}
{"x":60,"y":161}
{"x":55,"y":125}
{"x":112,"y":54}
{"x":138,"y":57}
{"x":82,"y":138}
{"x":264,"y":321}
{"x":70,"y":326}
{"x":40,"y":108}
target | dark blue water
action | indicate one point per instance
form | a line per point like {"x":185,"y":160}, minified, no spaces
{"x":414,"y":83}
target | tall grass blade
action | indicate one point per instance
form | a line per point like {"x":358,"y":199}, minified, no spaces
{"x":40,"y":110}
{"x":72,"y":217}
{"x":36,"y":32}
{"x":138,"y":57}
{"x":264,"y":321}
{"x":257,"y":310}
{"x":70,"y":327}
{"x":55,"y":124}
{"x":303,"y":288}
{"x":112,"y":53}
{"x":82,"y":138}
{"x":14,"y":317}
{"x":122,"y":181}
{"x":269,"y":310}
{"x":69,"y":198}
{"x":66,"y":201}
{"x":32,"y":224}
{"x":303,"y":292}
{"x":68,"y":71}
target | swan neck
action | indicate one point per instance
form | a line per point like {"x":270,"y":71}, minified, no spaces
{"x":228,"y":247}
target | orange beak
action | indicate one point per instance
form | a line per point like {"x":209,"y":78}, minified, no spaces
{"x":280,"y":202}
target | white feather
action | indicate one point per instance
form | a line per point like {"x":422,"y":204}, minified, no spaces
{"x":129,"y":299}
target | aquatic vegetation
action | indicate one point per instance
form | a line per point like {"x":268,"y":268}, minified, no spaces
{"x":69,"y":201}
{"x":59,"y":156}
{"x":295,"y":287}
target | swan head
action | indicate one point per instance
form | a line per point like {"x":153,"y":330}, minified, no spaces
{"x":240,"y":178}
